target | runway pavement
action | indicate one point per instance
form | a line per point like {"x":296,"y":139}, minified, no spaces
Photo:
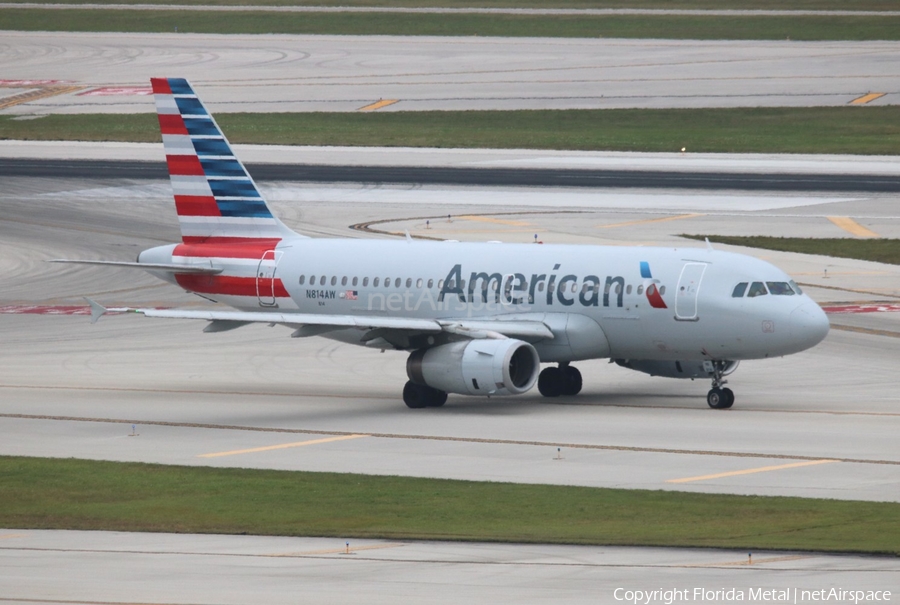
{"x":110,"y":72}
{"x":110,"y":567}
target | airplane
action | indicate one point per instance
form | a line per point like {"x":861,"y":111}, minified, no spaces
{"x":475,"y":318}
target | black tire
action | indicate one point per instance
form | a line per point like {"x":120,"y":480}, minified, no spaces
{"x":571,"y":380}
{"x":436,"y":398}
{"x":414,"y":395}
{"x":550,"y":382}
{"x":716,"y":399}
{"x":729,"y":398}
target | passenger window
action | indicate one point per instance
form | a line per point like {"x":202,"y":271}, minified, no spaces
{"x":355,"y":281}
{"x":312,"y":280}
{"x":662,"y":290}
{"x":756,"y":289}
{"x":419,"y":283}
{"x":440,"y":284}
{"x":628,"y":289}
{"x":430,"y":283}
{"x":618,"y":288}
{"x":409,"y":282}
{"x":322,"y":280}
{"x":302,"y":279}
{"x":462,"y":284}
{"x":640,"y":289}
{"x":375,"y":283}
{"x":344,"y":281}
{"x":779,"y":288}
{"x":540,"y":286}
{"x":334,"y":280}
{"x":397,"y":283}
{"x":387,"y":282}
{"x":739,"y":290}
{"x":366,"y":281}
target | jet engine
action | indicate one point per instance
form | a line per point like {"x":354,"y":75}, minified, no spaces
{"x":679,"y":369}
{"x":476,"y":367}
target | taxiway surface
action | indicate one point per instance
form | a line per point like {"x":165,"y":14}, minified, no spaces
{"x":822,"y":423}
{"x":108,"y":72}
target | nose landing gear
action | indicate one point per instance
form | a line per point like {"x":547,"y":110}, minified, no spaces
{"x":719,"y":398}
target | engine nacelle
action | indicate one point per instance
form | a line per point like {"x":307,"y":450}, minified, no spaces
{"x":477,"y":367}
{"x":679,"y":369}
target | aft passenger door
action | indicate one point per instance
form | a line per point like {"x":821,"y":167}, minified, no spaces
{"x":265,"y":278}
{"x":687,"y":291}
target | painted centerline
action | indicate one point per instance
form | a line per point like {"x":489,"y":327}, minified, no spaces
{"x":281,"y":446}
{"x":867,"y":98}
{"x":848,"y":224}
{"x":750,"y":471}
{"x":379,"y":104}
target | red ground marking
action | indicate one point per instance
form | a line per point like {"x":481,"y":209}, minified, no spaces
{"x":19,"y":83}
{"x":112,"y":91}
{"x":44,"y":310}
{"x":874,"y":308}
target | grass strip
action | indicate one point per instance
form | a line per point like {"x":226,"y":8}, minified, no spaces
{"x":850,"y":130}
{"x":876,"y":250}
{"x":681,"y":27}
{"x":43,"y":493}
{"x":858,"y":5}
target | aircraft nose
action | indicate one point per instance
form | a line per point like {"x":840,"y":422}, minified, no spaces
{"x":809,"y":324}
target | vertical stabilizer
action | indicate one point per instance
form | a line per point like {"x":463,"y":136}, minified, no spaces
{"x":216,"y":199}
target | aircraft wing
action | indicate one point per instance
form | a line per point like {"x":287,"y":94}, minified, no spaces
{"x":309,"y":324}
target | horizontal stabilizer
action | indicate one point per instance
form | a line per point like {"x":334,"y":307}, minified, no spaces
{"x":166,"y":267}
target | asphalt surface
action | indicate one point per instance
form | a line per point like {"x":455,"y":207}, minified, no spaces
{"x":522,"y":177}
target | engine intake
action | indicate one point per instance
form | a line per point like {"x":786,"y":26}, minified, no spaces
{"x":477,"y":367}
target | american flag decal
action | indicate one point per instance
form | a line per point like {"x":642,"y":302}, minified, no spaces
{"x":351,"y":295}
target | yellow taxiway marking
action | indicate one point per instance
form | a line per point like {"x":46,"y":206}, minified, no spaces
{"x":379,"y":104}
{"x":848,"y":224}
{"x":750,"y":471}
{"x":650,"y":220}
{"x":8,"y":536}
{"x":281,"y":446}
{"x":492,"y":220}
{"x":335,"y":551}
{"x":37,"y":94}
{"x":866,"y":98}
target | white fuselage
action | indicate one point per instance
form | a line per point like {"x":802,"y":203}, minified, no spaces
{"x":594,"y":298}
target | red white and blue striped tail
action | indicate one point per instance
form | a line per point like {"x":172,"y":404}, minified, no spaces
{"x":216,"y":200}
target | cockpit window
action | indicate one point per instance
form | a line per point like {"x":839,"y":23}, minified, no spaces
{"x":739,"y":290}
{"x":780,"y":288}
{"x":757,"y":289}
{"x":796,"y":287}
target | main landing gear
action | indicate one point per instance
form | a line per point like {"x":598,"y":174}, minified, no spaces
{"x":719,"y":398}
{"x":422,"y":396}
{"x":564,"y":380}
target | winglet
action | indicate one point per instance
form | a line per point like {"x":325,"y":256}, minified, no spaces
{"x":708,"y":245}
{"x":97,"y":310}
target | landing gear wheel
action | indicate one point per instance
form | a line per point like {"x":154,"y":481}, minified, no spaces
{"x":550,"y":382}
{"x":436,"y":398}
{"x":718,"y":399}
{"x":417,"y":396}
{"x":729,"y":398}
{"x":572,"y":380}
{"x":414,"y":395}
